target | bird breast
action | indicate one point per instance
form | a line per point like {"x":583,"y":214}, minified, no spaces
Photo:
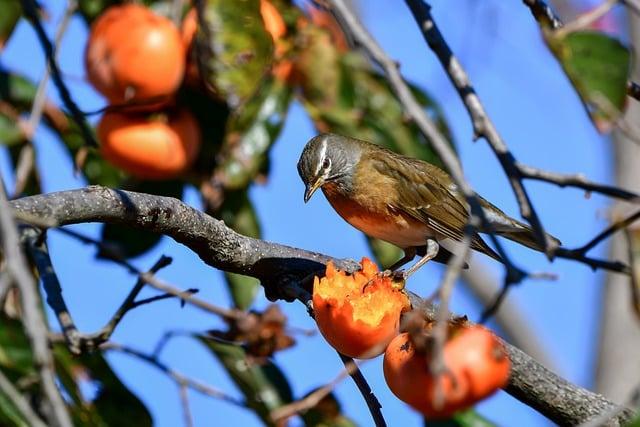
{"x":375,"y":218}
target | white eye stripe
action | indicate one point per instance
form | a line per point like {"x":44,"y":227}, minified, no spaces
{"x":323,"y":153}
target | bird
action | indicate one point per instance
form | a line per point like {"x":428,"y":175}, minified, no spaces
{"x":405,"y":201}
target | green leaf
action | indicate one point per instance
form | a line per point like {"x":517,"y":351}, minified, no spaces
{"x":385,"y":253}
{"x":251,"y":131}
{"x":129,"y":242}
{"x":264,"y":386}
{"x":10,"y":131}
{"x":598,"y":66}
{"x":16,"y":90}
{"x":237,"y":48}
{"x":104,"y":410}
{"x":113,"y":404}
{"x":467,"y":418}
{"x":9,"y":17}
{"x":9,"y":414}
{"x":327,"y":413}
{"x":237,"y":212}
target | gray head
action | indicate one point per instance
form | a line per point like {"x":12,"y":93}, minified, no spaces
{"x":327,"y":158}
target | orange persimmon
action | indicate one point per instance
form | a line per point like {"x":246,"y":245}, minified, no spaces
{"x":134,"y":54}
{"x":359,"y":313}
{"x":160,"y":147}
{"x":477,"y":366}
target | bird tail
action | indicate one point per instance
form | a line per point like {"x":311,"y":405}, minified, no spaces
{"x":525,"y":235}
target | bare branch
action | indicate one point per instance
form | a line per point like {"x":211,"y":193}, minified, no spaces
{"x":34,"y":322}
{"x":538,"y":387}
{"x":31,"y":12}
{"x":365,"y":390}
{"x":180,"y":380}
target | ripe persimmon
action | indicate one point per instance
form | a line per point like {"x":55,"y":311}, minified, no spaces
{"x":359,"y":313}
{"x":160,"y":147}
{"x":134,"y":55}
{"x":476,"y":366}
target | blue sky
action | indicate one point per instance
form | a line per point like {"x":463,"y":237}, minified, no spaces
{"x":534,"y":109}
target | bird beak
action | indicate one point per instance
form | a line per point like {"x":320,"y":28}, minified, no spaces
{"x":310,"y":189}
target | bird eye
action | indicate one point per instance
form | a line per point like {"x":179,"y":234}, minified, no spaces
{"x":326,"y":164}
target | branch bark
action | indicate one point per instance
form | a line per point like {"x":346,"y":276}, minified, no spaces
{"x":279,"y":266}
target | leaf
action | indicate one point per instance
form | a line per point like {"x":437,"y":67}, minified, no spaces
{"x":235,"y":49}
{"x":105,"y":409}
{"x":251,"y":131}
{"x":9,"y":17}
{"x":129,"y":242}
{"x":467,"y":418}
{"x":344,"y":95}
{"x":237,"y":212}
{"x":264,"y":386}
{"x":327,"y":413}
{"x":385,"y":253}
{"x":9,"y":414}
{"x":598,"y":66}
{"x":10,"y":131}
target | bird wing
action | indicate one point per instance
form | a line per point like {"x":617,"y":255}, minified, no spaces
{"x":427,"y":194}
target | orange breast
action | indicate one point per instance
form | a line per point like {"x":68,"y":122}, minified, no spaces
{"x":377,"y":219}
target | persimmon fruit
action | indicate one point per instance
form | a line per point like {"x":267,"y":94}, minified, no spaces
{"x":359,"y":313}
{"x":133,"y":54}
{"x":160,"y":147}
{"x":477,"y":366}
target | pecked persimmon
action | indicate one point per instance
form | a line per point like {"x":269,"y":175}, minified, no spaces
{"x":359,"y":313}
{"x":132,"y":54}
{"x":477,"y":366}
{"x":159,"y":147}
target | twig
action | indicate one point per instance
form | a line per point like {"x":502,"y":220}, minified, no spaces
{"x":482,"y":124}
{"x":186,"y":410}
{"x":576,"y":181}
{"x":30,"y":10}
{"x":180,"y":379}
{"x":39,"y":252}
{"x":365,"y":390}
{"x":26,"y":158}
{"x":509,"y":316}
{"x":437,"y":366}
{"x":149,"y":279}
{"x":586,"y":19}
{"x":618,"y":225}
{"x":20,"y":402}
{"x":543,"y":13}
{"x":34,"y":322}
{"x":315,"y":397}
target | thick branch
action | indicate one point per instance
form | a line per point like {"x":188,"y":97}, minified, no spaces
{"x":277,"y":266}
{"x":538,"y":387}
{"x":221,"y":247}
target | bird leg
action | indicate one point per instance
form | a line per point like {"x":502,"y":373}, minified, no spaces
{"x":432,"y":251}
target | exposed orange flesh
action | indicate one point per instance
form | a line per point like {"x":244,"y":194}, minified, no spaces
{"x":358,"y":314}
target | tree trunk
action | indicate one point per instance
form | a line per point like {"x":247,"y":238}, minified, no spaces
{"x":618,"y":370}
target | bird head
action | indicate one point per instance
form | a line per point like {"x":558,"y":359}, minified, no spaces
{"x":327,"y":158}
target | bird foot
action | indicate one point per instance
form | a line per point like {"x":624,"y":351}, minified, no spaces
{"x":395,"y":275}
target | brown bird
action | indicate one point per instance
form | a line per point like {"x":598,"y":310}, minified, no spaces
{"x":404,"y":201}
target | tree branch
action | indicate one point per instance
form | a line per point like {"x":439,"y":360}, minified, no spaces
{"x":33,"y":319}
{"x":31,"y":12}
{"x":538,"y":387}
{"x":223,"y":248}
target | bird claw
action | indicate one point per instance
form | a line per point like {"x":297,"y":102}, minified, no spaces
{"x":395,"y":275}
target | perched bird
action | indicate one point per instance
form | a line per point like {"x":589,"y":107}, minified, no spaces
{"x":398,"y":199}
